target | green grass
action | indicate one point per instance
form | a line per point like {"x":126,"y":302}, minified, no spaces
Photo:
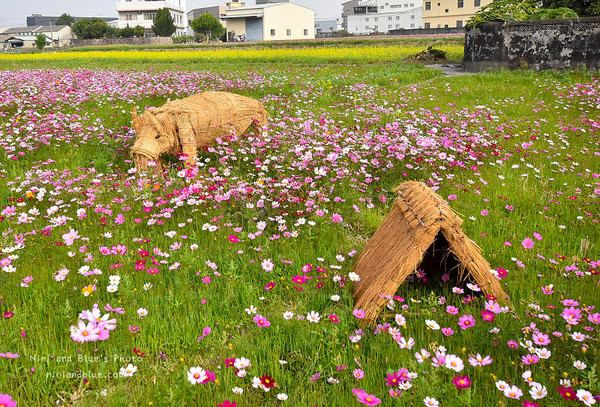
{"x":355,"y":98}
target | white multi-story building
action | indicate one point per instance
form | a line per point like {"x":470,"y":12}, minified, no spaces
{"x":143,"y":12}
{"x":382,"y":16}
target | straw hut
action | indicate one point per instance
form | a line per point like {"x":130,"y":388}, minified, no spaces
{"x":421,"y":231}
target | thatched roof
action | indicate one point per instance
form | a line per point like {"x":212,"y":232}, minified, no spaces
{"x":419,"y":220}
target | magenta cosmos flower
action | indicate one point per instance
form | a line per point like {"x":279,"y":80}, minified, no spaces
{"x":7,"y":401}
{"x":466,"y":321}
{"x":461,"y":382}
{"x":261,"y":321}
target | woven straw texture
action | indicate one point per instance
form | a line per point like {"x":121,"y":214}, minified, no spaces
{"x":194,"y":122}
{"x":399,"y":245}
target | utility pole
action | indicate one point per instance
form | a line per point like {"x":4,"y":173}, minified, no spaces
{"x":51,"y":35}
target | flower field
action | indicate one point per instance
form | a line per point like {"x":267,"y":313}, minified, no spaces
{"x":232,"y":284}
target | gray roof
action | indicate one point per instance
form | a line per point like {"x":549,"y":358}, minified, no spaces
{"x":35,"y":29}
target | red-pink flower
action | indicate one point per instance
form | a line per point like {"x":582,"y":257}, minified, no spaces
{"x":461,"y":382}
{"x":233,"y":238}
{"x":487,"y":315}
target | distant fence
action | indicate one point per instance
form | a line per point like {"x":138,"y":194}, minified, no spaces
{"x":123,"y":41}
{"x":428,"y":31}
{"x":538,"y":45}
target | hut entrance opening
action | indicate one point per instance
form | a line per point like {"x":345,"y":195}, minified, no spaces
{"x":438,"y":264}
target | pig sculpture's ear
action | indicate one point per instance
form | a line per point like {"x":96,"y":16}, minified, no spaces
{"x":135,"y":119}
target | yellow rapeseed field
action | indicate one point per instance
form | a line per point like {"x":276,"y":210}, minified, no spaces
{"x":312,"y":54}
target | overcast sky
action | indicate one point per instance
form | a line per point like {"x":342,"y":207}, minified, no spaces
{"x":14,"y":12}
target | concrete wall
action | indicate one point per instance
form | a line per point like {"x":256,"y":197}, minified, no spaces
{"x":538,"y":45}
{"x":126,"y":41}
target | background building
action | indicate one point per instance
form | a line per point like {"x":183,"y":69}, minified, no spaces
{"x":259,"y":2}
{"x":142,"y":12}
{"x":37,"y":19}
{"x":450,"y":13}
{"x":381,"y":16}
{"x":217,"y":11}
{"x":269,"y":22}
{"x":17,"y":37}
{"x":324,"y":27}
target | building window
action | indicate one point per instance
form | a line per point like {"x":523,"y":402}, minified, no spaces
{"x":390,"y":17}
{"x":461,"y":3}
{"x":477,"y":3}
{"x":376,"y":18}
{"x":305,"y":31}
{"x":412,"y":17}
{"x":389,"y":26}
{"x":272,"y":31}
{"x":288,"y":31}
{"x":376,"y":27}
{"x":397,"y":17}
{"x":445,"y":25}
{"x":459,"y":23}
{"x":447,"y":11}
{"x":412,"y":25}
{"x":412,"y":5}
{"x":427,"y":5}
{"x":428,"y":25}
{"x":367,"y":19}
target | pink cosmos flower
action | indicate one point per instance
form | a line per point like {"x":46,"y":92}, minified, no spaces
{"x":530,"y":359}
{"x":358,"y":313}
{"x":261,"y":321}
{"x":478,"y":360}
{"x":451,"y":310}
{"x":540,"y":338}
{"x":528,"y":243}
{"x":358,"y":374}
{"x":367,"y":399}
{"x":466,"y":321}
{"x":7,"y":401}
{"x":70,"y":237}
{"x":448,"y":331}
{"x":571,"y":315}
{"x":337,"y":218}
{"x":594,"y":318}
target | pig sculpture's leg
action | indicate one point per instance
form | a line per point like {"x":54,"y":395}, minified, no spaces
{"x":188,"y":141}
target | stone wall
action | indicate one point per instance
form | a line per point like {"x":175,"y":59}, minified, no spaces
{"x":538,"y":45}
{"x":123,"y":41}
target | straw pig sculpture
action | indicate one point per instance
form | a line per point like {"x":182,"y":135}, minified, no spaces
{"x":184,"y":125}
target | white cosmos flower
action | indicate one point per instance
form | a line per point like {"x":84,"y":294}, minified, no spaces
{"x":128,"y":370}
{"x":196,"y":375}
{"x":313,"y":317}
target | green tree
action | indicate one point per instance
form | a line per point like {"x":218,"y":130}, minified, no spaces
{"x":583,"y":8}
{"x":139,"y":31}
{"x":65,"y":19}
{"x":208,"y":25}
{"x":40,"y":41}
{"x":88,"y":28}
{"x":163,"y":23}
{"x":127,"y":32}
